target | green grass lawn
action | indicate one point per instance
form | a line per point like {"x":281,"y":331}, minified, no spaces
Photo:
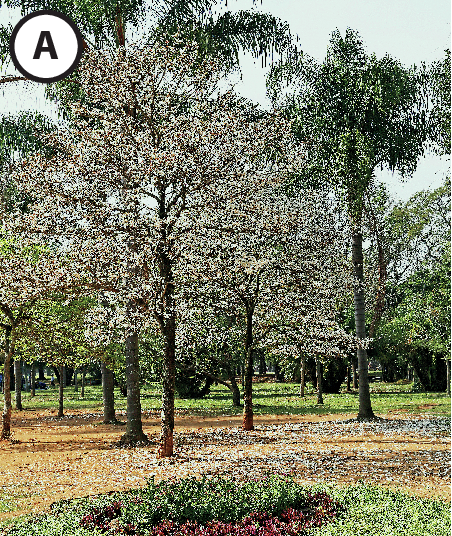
{"x":268,"y":398}
{"x":358,"y":510}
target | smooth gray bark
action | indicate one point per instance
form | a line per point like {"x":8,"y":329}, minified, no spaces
{"x":108,"y":393}
{"x":365,"y":408}
{"x":134,"y":430}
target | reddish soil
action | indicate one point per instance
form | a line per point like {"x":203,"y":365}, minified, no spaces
{"x":50,"y":459}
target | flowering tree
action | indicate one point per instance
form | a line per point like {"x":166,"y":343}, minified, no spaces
{"x":156,"y":144}
{"x":270,"y":261}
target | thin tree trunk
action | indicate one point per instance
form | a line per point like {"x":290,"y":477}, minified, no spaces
{"x":168,"y":381}
{"x":33,"y":380}
{"x":134,"y":430}
{"x":277,"y":372}
{"x":262,"y":364}
{"x":64,"y":369}
{"x":75,"y":381}
{"x":448,"y":376}
{"x":248,"y":387}
{"x":302,"y":373}
{"x":348,"y":379}
{"x":235,"y":391}
{"x":7,"y":406}
{"x":61,"y":392}
{"x":82,"y":392}
{"x":18,"y":383}
{"x":365,"y":408}
{"x":318,"y":366}
{"x":355,"y":375}
{"x":108,"y":394}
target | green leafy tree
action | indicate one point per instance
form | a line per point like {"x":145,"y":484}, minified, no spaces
{"x":416,"y":330}
{"x":353,"y":113}
{"x":55,"y":334}
{"x":28,"y":273}
{"x":438,"y":77}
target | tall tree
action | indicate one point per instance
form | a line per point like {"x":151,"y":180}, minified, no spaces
{"x":126,"y":185}
{"x":354,"y":113}
{"x":103,"y":24}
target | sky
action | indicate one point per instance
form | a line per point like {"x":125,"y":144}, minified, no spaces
{"x":412,"y":31}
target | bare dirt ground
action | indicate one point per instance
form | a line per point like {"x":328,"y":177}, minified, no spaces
{"x":50,"y":459}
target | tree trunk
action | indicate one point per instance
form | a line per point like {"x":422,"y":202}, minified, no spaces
{"x":235,"y":391}
{"x":134,"y":430}
{"x":57,"y":373}
{"x":64,"y":369}
{"x":108,"y":394}
{"x":302,"y":373}
{"x":41,"y":376}
{"x":33,"y":380}
{"x":277,"y":372}
{"x":248,"y":387}
{"x":355,"y":375}
{"x":82,"y":392}
{"x":18,"y":383}
{"x":365,"y":408}
{"x":7,"y":407}
{"x":382,"y":276}
{"x":69,"y":373}
{"x":318,"y":366}
{"x":448,"y":376}
{"x":348,"y":379}
{"x":75,"y":381}
{"x":168,"y":380}
{"x":60,"y":392}
{"x":262,"y":364}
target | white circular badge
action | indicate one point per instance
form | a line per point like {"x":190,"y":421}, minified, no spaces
{"x":46,"y":46}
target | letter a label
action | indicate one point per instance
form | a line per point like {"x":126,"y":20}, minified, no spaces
{"x":46,"y":46}
{"x":49,"y":48}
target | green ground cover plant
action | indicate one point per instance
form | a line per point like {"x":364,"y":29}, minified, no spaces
{"x":268,"y":398}
{"x":274,"y":506}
